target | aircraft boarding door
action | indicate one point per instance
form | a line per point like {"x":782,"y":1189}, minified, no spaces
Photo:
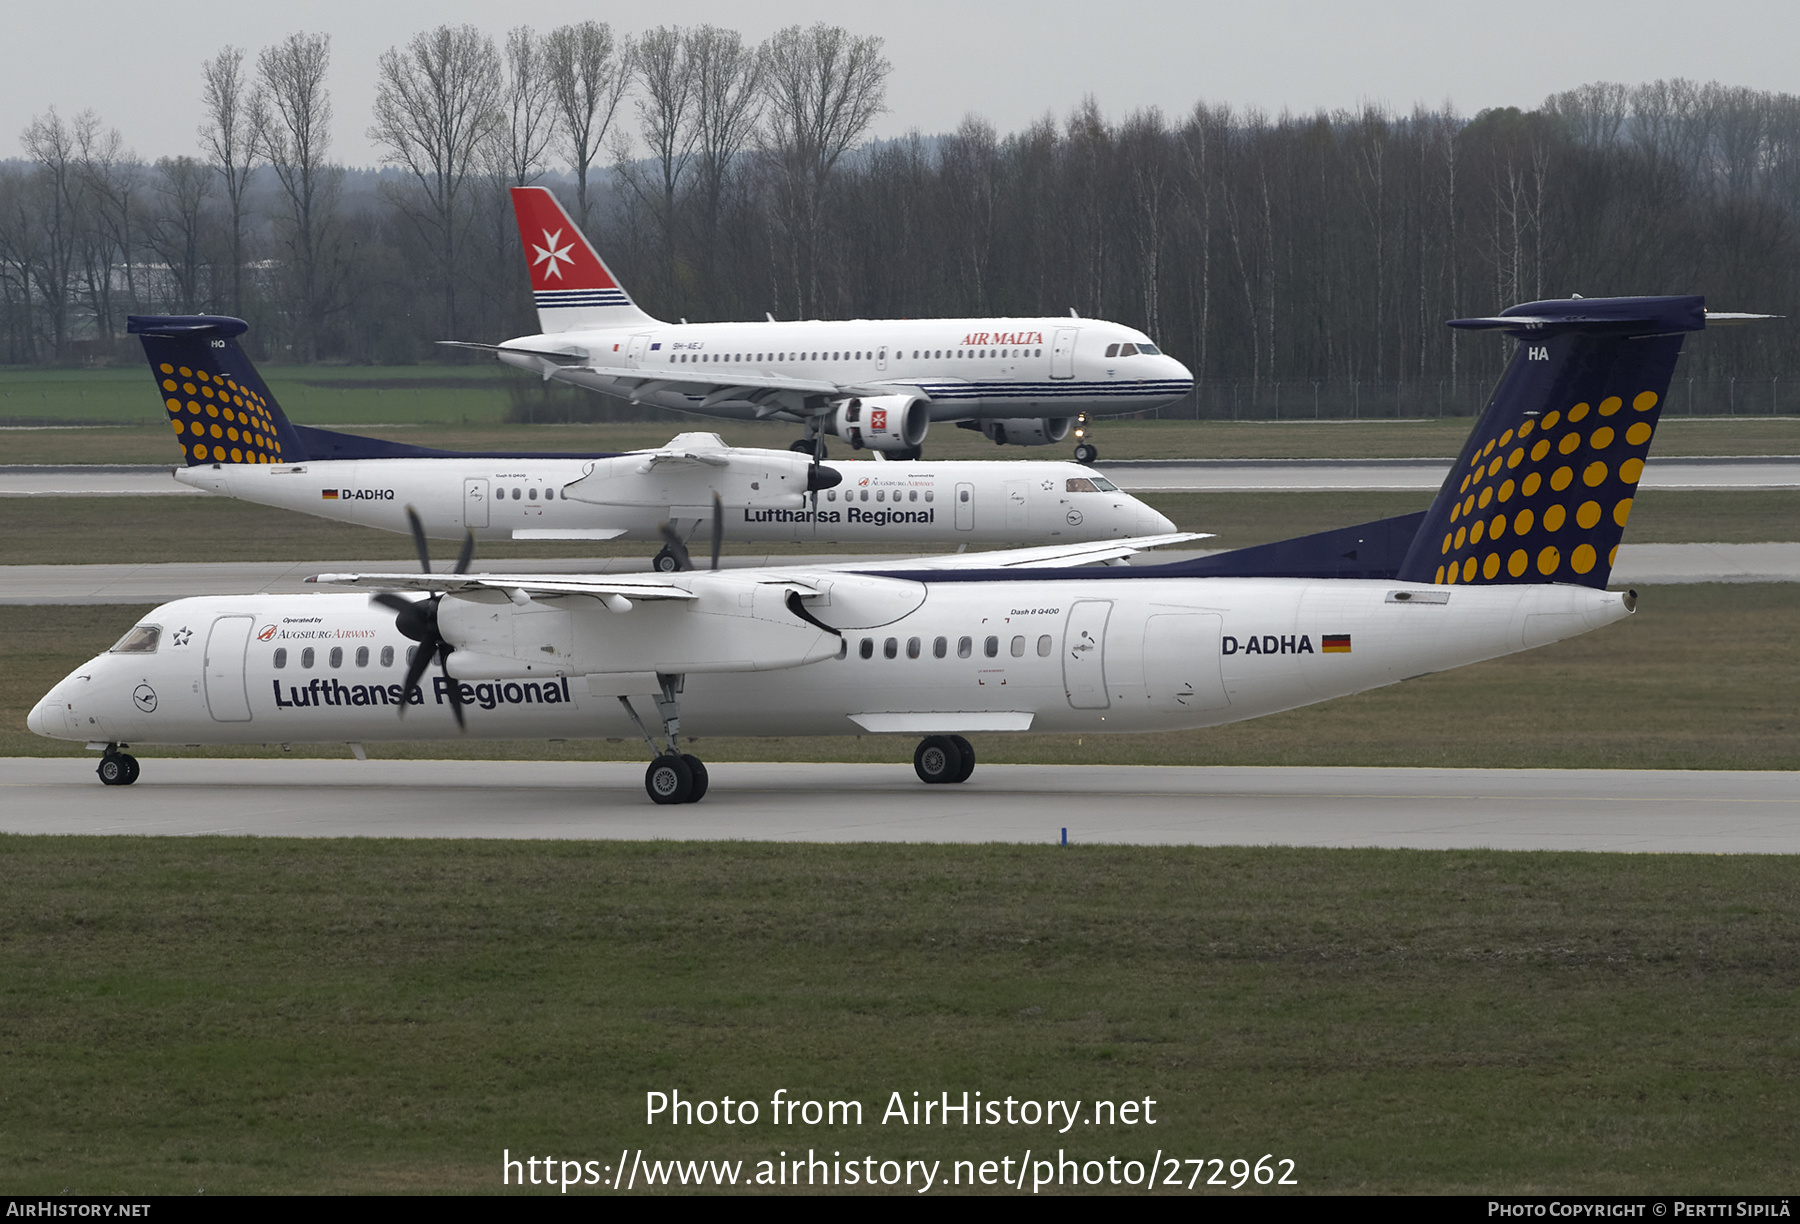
{"x":965,"y":507}
{"x":1084,"y":654}
{"x":1017,"y":493}
{"x":475,"y":501}
{"x":1062,"y":356}
{"x":1181,"y":661}
{"x":226,"y":695}
{"x":635,"y":353}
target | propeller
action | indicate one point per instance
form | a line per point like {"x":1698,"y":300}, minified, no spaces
{"x":417,"y":619}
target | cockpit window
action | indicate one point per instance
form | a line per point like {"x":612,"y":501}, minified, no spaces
{"x":1149,"y":349}
{"x":1104,"y":485}
{"x":1112,"y":350}
{"x":1128,"y":350}
{"x":1081,"y":484}
{"x":141,"y":640}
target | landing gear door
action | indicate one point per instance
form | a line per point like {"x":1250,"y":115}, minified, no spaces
{"x":1062,"y":355}
{"x":1084,"y":654}
{"x":475,"y":501}
{"x":226,"y":695}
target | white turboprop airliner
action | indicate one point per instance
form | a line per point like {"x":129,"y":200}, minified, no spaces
{"x":238,"y":442}
{"x":877,"y":383}
{"x":1514,"y":552}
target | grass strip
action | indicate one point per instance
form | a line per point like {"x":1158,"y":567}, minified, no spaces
{"x":251,"y":1016}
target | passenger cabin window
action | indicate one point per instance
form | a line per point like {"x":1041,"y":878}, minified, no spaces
{"x":142,"y":639}
{"x":337,"y":656}
{"x":962,"y":495}
{"x":387,"y":656}
{"x":991,"y":648}
{"x":912,"y":648}
{"x":1044,"y":646}
{"x":280,"y":657}
{"x":534,"y":495}
{"x":940,"y":647}
{"x":867,"y":649}
{"x":411,"y":653}
{"x":1018,"y":647}
{"x":362,"y":656}
{"x":306,"y":658}
{"x":965,"y":647}
{"x":890,"y":648}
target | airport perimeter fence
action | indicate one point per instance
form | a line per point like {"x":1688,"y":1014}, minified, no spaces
{"x":1357,"y":400}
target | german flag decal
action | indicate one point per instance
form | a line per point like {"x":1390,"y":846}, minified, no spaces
{"x":331,"y":495}
{"x":1335,"y":643}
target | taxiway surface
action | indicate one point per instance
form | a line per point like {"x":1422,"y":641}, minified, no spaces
{"x":1147,"y":475}
{"x":1648,"y":811}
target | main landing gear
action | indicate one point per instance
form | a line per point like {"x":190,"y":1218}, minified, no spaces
{"x":674,"y":776}
{"x":117,"y":768}
{"x":1087,"y":453}
{"x":665,"y":562}
{"x":944,"y":758}
{"x":812,"y":444}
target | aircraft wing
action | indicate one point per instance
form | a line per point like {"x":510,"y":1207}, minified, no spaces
{"x":1046,"y":556}
{"x":527,"y":584}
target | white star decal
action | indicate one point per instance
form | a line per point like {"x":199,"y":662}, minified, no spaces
{"x":551,"y":252}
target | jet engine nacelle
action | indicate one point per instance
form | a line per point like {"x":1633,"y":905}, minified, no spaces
{"x":1028,"y":431}
{"x":882,"y":422}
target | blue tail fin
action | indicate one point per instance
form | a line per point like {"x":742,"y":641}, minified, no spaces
{"x":1544,"y":485}
{"x":216,"y":401}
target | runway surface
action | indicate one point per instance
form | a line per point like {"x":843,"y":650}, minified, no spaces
{"x":1434,"y":809}
{"x":1147,"y":475}
{"x":1642,"y":564}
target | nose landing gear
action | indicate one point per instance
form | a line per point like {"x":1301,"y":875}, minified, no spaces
{"x":673,"y":776}
{"x":944,"y":758}
{"x":117,"y":768}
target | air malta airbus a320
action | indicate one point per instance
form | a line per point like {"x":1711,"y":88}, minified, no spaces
{"x":877,"y":383}
{"x":238,"y":442}
{"x":1514,"y":552}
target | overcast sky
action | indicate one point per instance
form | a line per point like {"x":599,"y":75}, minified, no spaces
{"x":138,"y":65}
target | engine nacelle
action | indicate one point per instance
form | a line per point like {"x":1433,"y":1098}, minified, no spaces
{"x":882,"y":422}
{"x":1028,"y":431}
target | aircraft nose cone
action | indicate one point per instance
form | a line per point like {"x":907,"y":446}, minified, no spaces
{"x":38,"y":721}
{"x":1153,"y":522}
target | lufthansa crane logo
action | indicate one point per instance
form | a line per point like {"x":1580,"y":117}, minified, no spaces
{"x":145,"y":696}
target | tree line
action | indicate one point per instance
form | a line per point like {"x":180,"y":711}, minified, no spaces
{"x":722,"y":179}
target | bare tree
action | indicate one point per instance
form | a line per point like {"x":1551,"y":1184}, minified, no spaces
{"x":727,"y":105}
{"x":437,"y":104}
{"x":175,"y":233}
{"x":666,"y":123}
{"x":296,"y":141}
{"x":529,"y":120}
{"x":50,"y":141}
{"x":236,"y":116}
{"x":590,"y":73}
{"x":824,"y":88}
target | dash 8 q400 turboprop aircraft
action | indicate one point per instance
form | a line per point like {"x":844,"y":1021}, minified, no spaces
{"x":1514,"y":552}
{"x":238,"y":442}
{"x":877,"y":383}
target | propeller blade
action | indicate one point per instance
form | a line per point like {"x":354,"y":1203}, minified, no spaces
{"x":456,"y":701}
{"x":718,"y":528}
{"x":388,"y":599}
{"x":466,"y":555}
{"x":418,"y":534}
{"x":422,"y":654}
{"x":676,"y":547}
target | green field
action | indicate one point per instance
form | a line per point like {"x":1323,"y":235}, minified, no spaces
{"x":1703,"y":677}
{"x":263,"y":1015}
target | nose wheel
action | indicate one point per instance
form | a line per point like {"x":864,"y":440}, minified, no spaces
{"x":944,"y":758}
{"x":118,"y":769}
